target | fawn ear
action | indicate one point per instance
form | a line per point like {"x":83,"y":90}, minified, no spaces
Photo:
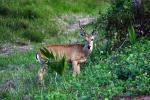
{"x":82,"y":33}
{"x":94,"y":33}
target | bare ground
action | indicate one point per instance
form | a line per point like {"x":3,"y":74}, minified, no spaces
{"x":6,"y":49}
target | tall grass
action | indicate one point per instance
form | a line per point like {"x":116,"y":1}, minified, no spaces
{"x":17,"y":16}
{"x":131,"y":34}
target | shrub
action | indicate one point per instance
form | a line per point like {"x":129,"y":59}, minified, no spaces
{"x":116,"y":23}
{"x":118,"y":20}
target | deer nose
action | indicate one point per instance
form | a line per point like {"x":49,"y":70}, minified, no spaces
{"x":89,"y":47}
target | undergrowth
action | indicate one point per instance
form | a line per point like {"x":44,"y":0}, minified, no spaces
{"x":123,"y":73}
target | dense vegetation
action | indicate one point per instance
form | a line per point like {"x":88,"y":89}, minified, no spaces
{"x":119,"y":65}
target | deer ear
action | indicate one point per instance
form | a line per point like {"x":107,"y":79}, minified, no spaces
{"x":82,"y":33}
{"x":94,"y":33}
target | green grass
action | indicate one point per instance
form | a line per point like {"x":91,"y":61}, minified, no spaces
{"x":123,"y":73}
{"x":19,"y":17}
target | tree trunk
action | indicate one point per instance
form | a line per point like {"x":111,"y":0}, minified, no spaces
{"x":138,"y":7}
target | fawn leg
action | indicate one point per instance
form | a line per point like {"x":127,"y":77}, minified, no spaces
{"x":40,"y":74}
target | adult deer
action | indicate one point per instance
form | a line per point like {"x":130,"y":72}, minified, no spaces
{"x":74,"y":53}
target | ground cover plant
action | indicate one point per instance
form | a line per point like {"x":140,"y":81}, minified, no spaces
{"x":118,"y":67}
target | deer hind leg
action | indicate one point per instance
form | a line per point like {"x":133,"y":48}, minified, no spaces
{"x":40,"y":74}
{"x":75,"y":67}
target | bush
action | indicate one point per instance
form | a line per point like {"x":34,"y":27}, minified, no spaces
{"x":118,"y":20}
{"x":131,"y":66}
{"x":116,"y":23}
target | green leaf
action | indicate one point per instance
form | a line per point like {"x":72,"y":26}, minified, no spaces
{"x":132,"y":34}
{"x":55,"y":62}
{"x":48,"y":54}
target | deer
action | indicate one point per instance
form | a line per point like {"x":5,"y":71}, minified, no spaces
{"x":74,"y":53}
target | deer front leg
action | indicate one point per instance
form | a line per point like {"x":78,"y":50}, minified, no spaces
{"x":40,"y":75}
{"x":76,"y":67}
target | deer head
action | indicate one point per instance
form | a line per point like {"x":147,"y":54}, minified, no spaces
{"x":89,"y":38}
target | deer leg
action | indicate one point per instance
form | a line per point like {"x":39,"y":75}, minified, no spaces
{"x":78,"y":68}
{"x":40,"y":74}
{"x":74,"y":66}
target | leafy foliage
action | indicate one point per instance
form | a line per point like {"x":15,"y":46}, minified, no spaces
{"x":117,"y":23}
{"x":125,"y":72}
{"x":56,"y":63}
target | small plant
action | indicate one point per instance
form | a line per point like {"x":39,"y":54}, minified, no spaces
{"x":131,"y":34}
{"x":56,"y":63}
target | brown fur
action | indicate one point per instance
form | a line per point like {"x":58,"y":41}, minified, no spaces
{"x":71,"y":52}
